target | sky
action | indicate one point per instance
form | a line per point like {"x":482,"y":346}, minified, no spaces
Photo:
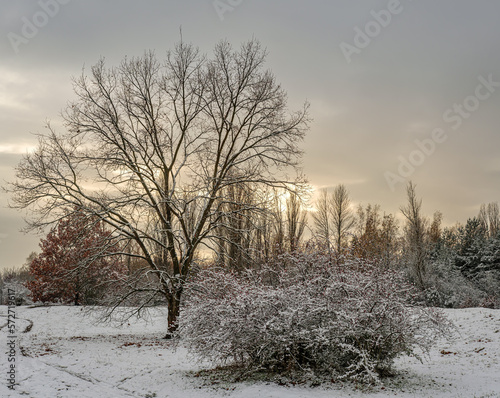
{"x":399,"y":89}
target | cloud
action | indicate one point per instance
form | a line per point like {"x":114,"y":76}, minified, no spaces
{"x":16,"y":149}
{"x":13,"y":94}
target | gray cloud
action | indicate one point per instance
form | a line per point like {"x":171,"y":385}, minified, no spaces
{"x":367,"y":113}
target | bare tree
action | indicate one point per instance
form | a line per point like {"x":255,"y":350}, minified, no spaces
{"x":367,"y":242}
{"x":391,"y":242}
{"x":415,"y":236}
{"x":322,"y":220}
{"x":239,"y":215}
{"x":151,"y":147}
{"x":489,"y":215}
{"x":264,"y":223}
{"x":342,"y":217}
{"x":435,"y":228}
{"x":334,"y":218}
{"x":296,"y":220}
{"x":257,"y":224}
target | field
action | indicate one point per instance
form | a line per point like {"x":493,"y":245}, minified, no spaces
{"x":61,"y":351}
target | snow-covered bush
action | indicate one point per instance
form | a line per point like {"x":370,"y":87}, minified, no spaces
{"x":13,"y":280}
{"x":346,"y":320}
{"x":448,"y":288}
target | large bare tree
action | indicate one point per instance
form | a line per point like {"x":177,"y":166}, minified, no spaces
{"x":151,"y":147}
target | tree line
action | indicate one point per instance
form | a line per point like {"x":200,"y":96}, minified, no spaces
{"x":82,"y":263}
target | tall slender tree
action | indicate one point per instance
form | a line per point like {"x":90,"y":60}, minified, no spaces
{"x":334,"y":218}
{"x":416,"y":236}
{"x":342,"y":217}
{"x":323,"y":220}
{"x":489,"y":215}
{"x":296,"y":220}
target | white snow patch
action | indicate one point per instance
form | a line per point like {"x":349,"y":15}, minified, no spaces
{"x":66,"y":354}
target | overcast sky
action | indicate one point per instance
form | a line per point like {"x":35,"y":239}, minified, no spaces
{"x":398,"y":89}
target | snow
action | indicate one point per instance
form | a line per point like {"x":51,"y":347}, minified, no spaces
{"x":67,"y":353}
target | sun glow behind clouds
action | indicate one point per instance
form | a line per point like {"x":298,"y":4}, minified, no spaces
{"x":16,"y":149}
{"x":10,"y":84}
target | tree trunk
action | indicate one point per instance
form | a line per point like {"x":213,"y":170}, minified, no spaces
{"x":173,"y":301}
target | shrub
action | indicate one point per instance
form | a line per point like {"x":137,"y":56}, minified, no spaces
{"x":340,"y":321}
{"x":447,"y":287}
{"x":14,"y":279}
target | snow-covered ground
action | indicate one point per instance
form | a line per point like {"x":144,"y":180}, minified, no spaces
{"x":65,"y":354}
